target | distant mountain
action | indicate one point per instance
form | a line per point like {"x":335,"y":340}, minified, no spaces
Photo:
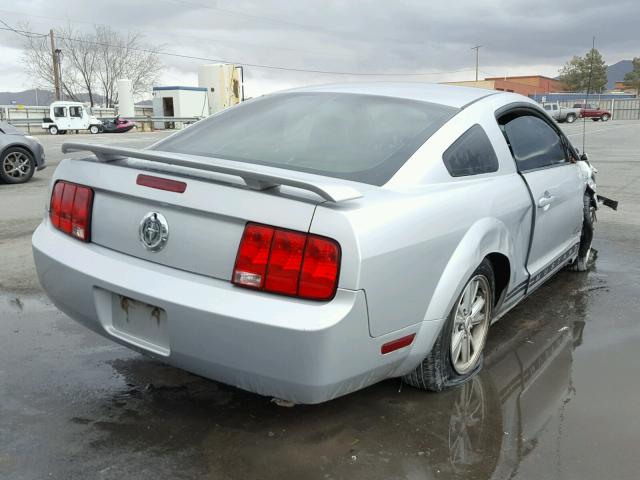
{"x":39,"y":97}
{"x":27,"y":97}
{"x":617,"y":71}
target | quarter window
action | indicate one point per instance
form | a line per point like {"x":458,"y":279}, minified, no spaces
{"x":533,"y":142}
{"x":471,"y":154}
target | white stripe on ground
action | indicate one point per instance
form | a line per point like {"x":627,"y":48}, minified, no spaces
{"x":617,"y":127}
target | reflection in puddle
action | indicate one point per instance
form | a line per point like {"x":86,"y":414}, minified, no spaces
{"x":482,"y":429}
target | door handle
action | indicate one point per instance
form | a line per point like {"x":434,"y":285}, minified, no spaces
{"x":545,"y":201}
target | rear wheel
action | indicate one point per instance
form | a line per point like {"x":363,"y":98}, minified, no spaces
{"x":571,"y":118}
{"x":605,"y":117}
{"x":457,"y":353}
{"x":94,"y":129}
{"x":16,"y":165}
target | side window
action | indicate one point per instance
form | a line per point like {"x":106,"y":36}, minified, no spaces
{"x":533,"y":142}
{"x":75,"y":112}
{"x":471,"y":154}
{"x":547,"y":107}
{"x":60,"y":111}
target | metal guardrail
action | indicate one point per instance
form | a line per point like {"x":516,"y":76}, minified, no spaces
{"x":163,"y":119}
{"x":24,"y":122}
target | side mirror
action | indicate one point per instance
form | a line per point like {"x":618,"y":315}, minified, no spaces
{"x":584,"y":157}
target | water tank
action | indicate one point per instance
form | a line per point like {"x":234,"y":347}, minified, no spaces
{"x":126,"y":107}
{"x":223,"y":84}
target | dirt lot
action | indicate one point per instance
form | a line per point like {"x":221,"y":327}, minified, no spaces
{"x":558,"y":397}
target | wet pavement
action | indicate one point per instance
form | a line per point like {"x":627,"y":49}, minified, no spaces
{"x":557,"y":398}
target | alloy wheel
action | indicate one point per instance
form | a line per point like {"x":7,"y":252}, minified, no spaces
{"x":16,"y":164}
{"x":470,"y":324}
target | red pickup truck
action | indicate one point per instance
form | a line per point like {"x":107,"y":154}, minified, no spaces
{"x":588,"y":110}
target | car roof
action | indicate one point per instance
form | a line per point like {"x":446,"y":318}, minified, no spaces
{"x":449,"y":95}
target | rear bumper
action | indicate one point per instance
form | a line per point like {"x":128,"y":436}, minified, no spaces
{"x":303,"y":351}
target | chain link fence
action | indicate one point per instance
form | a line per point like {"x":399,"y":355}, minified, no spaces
{"x":621,"y":109}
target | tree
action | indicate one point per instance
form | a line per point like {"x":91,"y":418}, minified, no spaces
{"x":79,"y":64}
{"x":575,"y":74}
{"x":92,"y":62}
{"x":632,"y":78}
{"x":124,"y":57}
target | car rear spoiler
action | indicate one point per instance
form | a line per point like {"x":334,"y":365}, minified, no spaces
{"x":257,"y":177}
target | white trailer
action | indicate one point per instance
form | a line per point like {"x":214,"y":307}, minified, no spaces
{"x":179,"y":101}
{"x":65,"y":116}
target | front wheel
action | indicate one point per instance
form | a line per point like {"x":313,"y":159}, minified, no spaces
{"x":582,"y":263}
{"x":457,"y":353}
{"x":605,"y":117}
{"x":94,"y":129}
{"x":17,"y":165}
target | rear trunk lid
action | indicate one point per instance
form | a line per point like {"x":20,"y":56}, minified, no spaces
{"x":205,"y":222}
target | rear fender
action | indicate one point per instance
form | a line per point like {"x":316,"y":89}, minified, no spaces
{"x":486,"y":236}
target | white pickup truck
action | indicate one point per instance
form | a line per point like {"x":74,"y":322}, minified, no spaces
{"x":65,"y":116}
{"x":561,"y":114}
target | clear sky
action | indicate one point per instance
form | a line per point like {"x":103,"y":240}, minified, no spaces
{"x":518,"y":37}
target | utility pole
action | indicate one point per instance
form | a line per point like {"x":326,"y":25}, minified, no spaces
{"x":59,"y":57}
{"x":54,"y":62}
{"x":477,"y":49}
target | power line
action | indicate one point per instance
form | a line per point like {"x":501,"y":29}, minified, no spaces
{"x":256,"y":65}
{"x":24,"y":34}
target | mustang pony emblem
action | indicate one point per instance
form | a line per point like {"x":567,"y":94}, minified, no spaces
{"x":154,"y":231}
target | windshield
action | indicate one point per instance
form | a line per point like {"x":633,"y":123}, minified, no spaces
{"x":364,"y":138}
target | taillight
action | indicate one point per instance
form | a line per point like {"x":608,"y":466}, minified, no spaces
{"x":70,"y":209}
{"x":287,"y":262}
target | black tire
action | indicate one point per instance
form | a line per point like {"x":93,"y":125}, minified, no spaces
{"x":63,"y":132}
{"x":605,"y":117}
{"x":436,"y":372}
{"x":7,"y":161}
{"x":53,"y":130}
{"x":570,"y":118}
{"x":581,"y":264}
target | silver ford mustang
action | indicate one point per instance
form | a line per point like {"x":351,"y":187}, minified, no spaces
{"x":306,"y":244}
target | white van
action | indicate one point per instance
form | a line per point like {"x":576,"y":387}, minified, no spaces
{"x":65,"y":116}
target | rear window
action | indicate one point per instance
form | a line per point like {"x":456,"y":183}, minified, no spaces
{"x":364,"y":138}
{"x":471,"y":154}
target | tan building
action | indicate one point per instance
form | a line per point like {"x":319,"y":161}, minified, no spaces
{"x":524,"y":85}
{"x":621,"y":87}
